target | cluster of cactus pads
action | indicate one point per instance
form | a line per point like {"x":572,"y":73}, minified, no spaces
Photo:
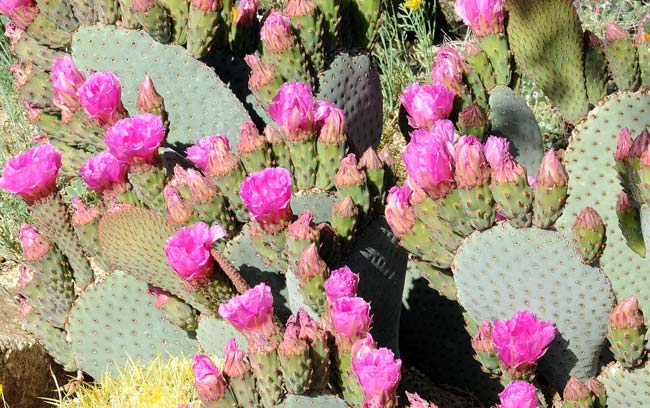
{"x":228,"y":206}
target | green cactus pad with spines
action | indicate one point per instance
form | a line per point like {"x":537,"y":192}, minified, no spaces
{"x":178,"y":10}
{"x":546,"y":40}
{"x":593,"y":182}
{"x":643,"y":51}
{"x":47,"y":33}
{"x":84,"y":11}
{"x":197,"y":102}
{"x":28,"y":49}
{"x":441,"y":280}
{"x":78,"y":132}
{"x":213,"y":333}
{"x":244,"y":255}
{"x":149,"y":185}
{"x":352,"y":83}
{"x":512,"y":118}
{"x":312,"y":401}
{"x":114,"y":321}
{"x":320,"y":203}
{"x":596,"y":74}
{"x":53,"y":339}
{"x":201,"y":29}
{"x":72,"y":159}
{"x":133,"y":240}
{"x":624,"y":64}
{"x":108,"y":11}
{"x":37,"y":89}
{"x":538,"y":268}
{"x":156,"y":22}
{"x":127,"y":16}
{"x":626,"y":388}
{"x":629,"y":222}
{"x":60,"y":13}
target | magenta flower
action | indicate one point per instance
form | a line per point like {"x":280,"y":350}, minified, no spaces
{"x":448,"y":69}
{"x":443,"y":131}
{"x":101,"y":97}
{"x":519,"y":394}
{"x":66,"y":80}
{"x":521,"y":341}
{"x":212,"y":155}
{"x":246,"y":16}
{"x":484,"y":17}
{"x":351,"y":320}
{"x":22,"y":12}
{"x":378,"y":373}
{"x":251,"y":313}
{"x":35,"y":246}
{"x":276,"y":32}
{"x":235,"y":360}
{"x":267,"y":195}
{"x":496,"y":149}
{"x":472,"y":169}
{"x":399,"y":212}
{"x":188,"y":251}
{"x":103,"y":172}
{"x":426,"y":104}
{"x":331,"y":122}
{"x":363,"y":346}
{"x":32,"y":175}
{"x":293,"y":109}
{"x":429,"y":164}
{"x":136,"y":140}
{"x":341,"y":283}
{"x":208,"y":381}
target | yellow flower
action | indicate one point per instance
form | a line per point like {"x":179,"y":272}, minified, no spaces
{"x":413,"y":4}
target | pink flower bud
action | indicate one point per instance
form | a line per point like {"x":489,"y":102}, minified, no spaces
{"x":66,"y":80}
{"x":416,"y":401}
{"x":341,"y":283}
{"x":645,"y":159}
{"x":178,"y":210}
{"x":331,"y":122}
{"x":348,"y":173}
{"x":378,"y":373}
{"x":149,"y":100}
{"x":532,"y":181}
{"x":350,"y":318}
{"x":236,"y":362}
{"x":507,"y":171}
{"x":35,"y":246}
{"x":208,"y":381}
{"x":624,"y":145}
{"x":246,"y":16}
{"x":22,"y":12}
{"x":188,"y":251}
{"x":387,"y":157}
{"x":443,"y":131}
{"x":303,"y":228}
{"x":276,"y":33}
{"x":272,"y":135}
{"x":311,"y":264}
{"x":201,"y":190}
{"x":575,"y":390}
{"x":522,"y":340}
{"x":623,"y":202}
{"x":206,"y":5}
{"x":596,"y":387}
{"x":142,"y":6}
{"x":472,"y":48}
{"x":472,"y":117}
{"x":251,"y":313}
{"x":297,"y":8}
{"x":136,"y":140}
{"x":250,"y":138}
{"x":482,"y":342}
{"x":640,"y":144}
{"x":292,"y":344}
{"x":643,"y":31}
{"x":24,"y":308}
{"x":519,"y":394}
{"x":101,"y":97}
{"x":448,"y":69}
{"x":400,"y":215}
{"x":370,"y":160}
{"x":614,"y":32}
{"x":33,"y":111}
{"x":551,"y":172}
{"x":293,"y":110}
{"x":496,"y":149}
{"x":161,"y":295}
{"x":588,"y":219}
{"x":83,"y":214}
{"x":345,"y":207}
{"x":32,"y":175}
{"x":212,"y":155}
{"x":363,"y":346}
{"x":484,"y":17}
{"x":310,"y":330}
{"x":25,"y":276}
{"x":626,"y":315}
{"x":426,"y":104}
{"x":430,"y":166}
{"x":472,"y":169}
{"x":267,"y":195}
{"x":104,"y":172}
{"x":261,"y":72}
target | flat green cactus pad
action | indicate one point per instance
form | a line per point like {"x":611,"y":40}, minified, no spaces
{"x":512,"y":118}
{"x":626,"y":388}
{"x":213,"y":334}
{"x":594,"y":182}
{"x":504,"y":270}
{"x":312,"y":401}
{"x":320,"y":203}
{"x":352,"y":83}
{"x":115,"y":320}
{"x":198,"y":103}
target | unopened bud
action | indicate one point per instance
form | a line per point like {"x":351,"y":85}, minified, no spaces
{"x":551,"y":172}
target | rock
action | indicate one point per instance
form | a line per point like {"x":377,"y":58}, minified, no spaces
{"x":24,"y":364}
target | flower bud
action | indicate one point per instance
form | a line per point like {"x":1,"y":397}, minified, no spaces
{"x":472,"y":120}
{"x":207,"y":5}
{"x":101,"y":97}
{"x":236,"y":362}
{"x":363,"y":346}
{"x":188,"y":250}
{"x":640,"y":144}
{"x":345,"y":207}
{"x":430,"y":166}
{"x":507,"y":171}
{"x":292,"y":344}
{"x":496,"y":150}
{"x":387,"y":157}
{"x":267,"y":195}
{"x":623,"y":202}
{"x":212,"y":155}
{"x":272,"y":135}
{"x":370,"y":160}
{"x":246,"y":16}
{"x":576,"y":391}
{"x":596,"y":387}
{"x":303,"y":228}
{"x":426,"y":104}
{"x":472,"y":169}
{"x":311,"y":264}
{"x":588,"y":219}
{"x":348,"y":173}
{"x":201,"y":190}
{"x":350,"y":317}
{"x":482,"y":342}
{"x":415,"y":401}
{"x":331,"y":122}
{"x":178,"y":211}
{"x":626,"y":315}
{"x":400,"y":214}
{"x":32,"y":175}
{"x":250,"y":138}
{"x":83,"y":214}
{"x":261,"y":72}
{"x":276,"y":33}
{"x":22,"y":12}
{"x":66,"y":80}
{"x":623,"y":145}
{"x":208,"y":381}
{"x":341,"y":283}
{"x":35,"y":246}
{"x":551,"y":172}
{"x":142,"y":6}
{"x":484,"y":17}
{"x":448,"y":69}
{"x":614,"y":32}
{"x":292,"y":109}
{"x":642,"y":36}
{"x":519,"y":394}
{"x":161,"y":295}
{"x":149,"y":100}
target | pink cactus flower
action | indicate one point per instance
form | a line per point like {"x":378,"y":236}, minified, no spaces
{"x":341,"y":283}
{"x":303,"y":228}
{"x":363,"y":346}
{"x":136,"y":140}
{"x":430,"y":166}
{"x":507,"y":171}
{"x":484,"y":17}
{"x":35,"y":246}
{"x":101,"y":97}
{"x":331,"y":122}
{"x":251,"y":313}
{"x":236,"y":362}
{"x":443,"y":131}
{"x":626,"y":315}
{"x":521,"y":340}
{"x":472,"y":169}
{"x":351,"y":320}
{"x":66,"y":80}
{"x":32,"y":175}
{"x":519,"y":394}
{"x":246,"y":16}
{"x":208,"y":381}
{"x":276,"y":32}
{"x":293,"y":110}
{"x":400,"y":214}
{"x":425,"y":104}
{"x":448,"y":69}
{"x":261,"y":72}
{"x":103,"y":172}
{"x":212,"y":155}
{"x":496,"y":149}
{"x":267,"y":195}
{"x":22,"y":12}
{"x":378,"y":373}
{"x":179,"y":210}
{"x":188,"y":251}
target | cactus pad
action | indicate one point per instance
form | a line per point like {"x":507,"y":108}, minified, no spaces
{"x":593,"y":182}
{"x":504,"y":270}
{"x":626,"y":388}
{"x":213,"y":334}
{"x":352,"y":83}
{"x":320,"y":203}
{"x":316,"y":401}
{"x":114,"y":321}
{"x":197,"y":102}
